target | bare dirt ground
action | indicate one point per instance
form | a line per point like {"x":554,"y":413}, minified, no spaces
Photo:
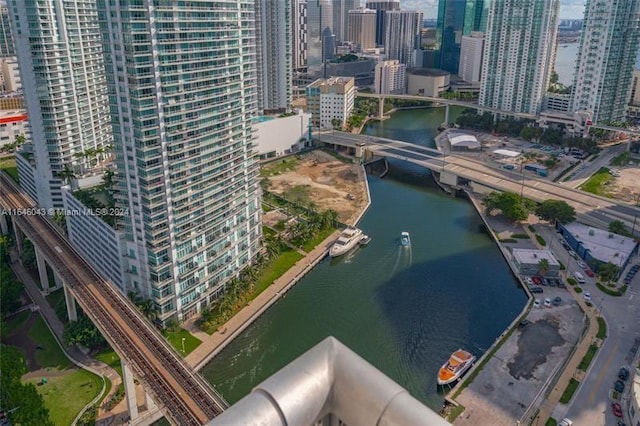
{"x":627,"y":185}
{"x":327,"y":182}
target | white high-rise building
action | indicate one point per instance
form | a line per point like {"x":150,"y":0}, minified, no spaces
{"x":471,"y":53}
{"x":274,"y":34}
{"x":390,"y":78}
{"x":402,"y":35}
{"x":604,"y":67}
{"x":519,"y":54}
{"x":341,"y":10}
{"x":6,"y":40}
{"x":362,"y":28}
{"x":65,"y":89}
{"x":182,"y":83}
{"x":299,"y":35}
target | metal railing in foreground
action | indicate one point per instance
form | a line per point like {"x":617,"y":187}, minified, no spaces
{"x":329,"y":379}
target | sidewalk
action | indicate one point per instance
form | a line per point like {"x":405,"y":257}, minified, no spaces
{"x":55,"y":325}
{"x":212,"y":344}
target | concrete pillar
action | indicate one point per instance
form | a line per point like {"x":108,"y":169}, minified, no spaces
{"x":58,"y":280}
{"x":130,"y":391}
{"x":151,"y":405}
{"x":381,"y":107}
{"x":4,"y":225}
{"x":446,"y":115}
{"x":19,"y":240}
{"x":42,"y":270}
{"x":72,"y":312}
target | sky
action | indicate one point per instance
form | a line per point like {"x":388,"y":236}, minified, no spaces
{"x":569,"y":9}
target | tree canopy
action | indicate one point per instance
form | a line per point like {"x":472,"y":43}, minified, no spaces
{"x":608,"y":271}
{"x":618,"y":227}
{"x":512,"y":205}
{"x":556,"y":210}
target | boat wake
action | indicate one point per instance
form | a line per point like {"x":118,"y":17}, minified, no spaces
{"x":404,"y":259}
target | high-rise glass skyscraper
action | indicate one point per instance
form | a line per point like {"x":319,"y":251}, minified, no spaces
{"x":341,"y":10}
{"x":381,"y":6}
{"x":519,"y":54}
{"x":6,"y":40}
{"x":63,"y":77}
{"x":606,"y":58}
{"x":274,"y":53}
{"x":402,"y":35}
{"x":321,"y":41}
{"x":182,"y":84}
{"x":455,"y":19}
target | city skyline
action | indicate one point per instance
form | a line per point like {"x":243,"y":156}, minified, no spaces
{"x":569,"y":9}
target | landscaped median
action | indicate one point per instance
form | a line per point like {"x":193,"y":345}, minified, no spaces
{"x":611,"y":291}
{"x":569,"y":391}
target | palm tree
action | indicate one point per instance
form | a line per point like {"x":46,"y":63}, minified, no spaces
{"x":67,"y":174}
{"x":107,"y":179}
{"x":90,"y":153}
{"x":19,"y":140}
{"x":543,"y":266}
{"x":100,"y":154}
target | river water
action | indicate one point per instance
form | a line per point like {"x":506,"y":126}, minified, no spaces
{"x":403,"y":310}
{"x":566,"y":62}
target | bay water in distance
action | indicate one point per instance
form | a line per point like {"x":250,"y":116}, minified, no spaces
{"x":402,"y":310}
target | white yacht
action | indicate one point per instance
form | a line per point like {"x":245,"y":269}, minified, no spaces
{"x":405,"y":240}
{"x":349,"y":238}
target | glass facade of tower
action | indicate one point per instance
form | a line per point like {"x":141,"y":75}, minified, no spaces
{"x":606,"y":59}
{"x":455,"y":19}
{"x":182,"y":83}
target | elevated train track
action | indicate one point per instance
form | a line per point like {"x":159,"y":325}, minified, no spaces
{"x":181,"y":393}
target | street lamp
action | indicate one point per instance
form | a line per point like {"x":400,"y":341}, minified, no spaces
{"x":183,"y":345}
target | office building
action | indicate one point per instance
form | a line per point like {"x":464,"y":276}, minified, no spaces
{"x":186,"y":172}
{"x":274,"y":55}
{"x":402,"y":35}
{"x":330,"y":101}
{"x":321,"y":41}
{"x":519,"y":54}
{"x":7,"y":48}
{"x":633,"y":111}
{"x":471,"y":54}
{"x":10,"y":73}
{"x":65,"y":90}
{"x":457,"y":18}
{"x":390,"y":78}
{"x":12,"y":124}
{"x":362,"y":28}
{"x":299,"y":35}
{"x":341,"y":10}
{"x":381,"y":6}
{"x":606,"y":57}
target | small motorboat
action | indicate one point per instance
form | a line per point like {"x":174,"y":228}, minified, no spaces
{"x":459,"y":362}
{"x":365,"y":240}
{"x":405,"y":240}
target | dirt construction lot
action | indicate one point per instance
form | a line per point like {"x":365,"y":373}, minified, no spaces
{"x":627,"y":185}
{"x":319,"y":178}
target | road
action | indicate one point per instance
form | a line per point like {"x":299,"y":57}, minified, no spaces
{"x":590,"y":404}
{"x":586,"y":169}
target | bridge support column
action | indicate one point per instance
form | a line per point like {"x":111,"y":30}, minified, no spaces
{"x":381,"y":108}
{"x":72,"y":312}
{"x":151,"y":405}
{"x":42,"y":270}
{"x":4,"y":225}
{"x":19,"y":240}
{"x":130,"y":391}
{"x":446,"y":115}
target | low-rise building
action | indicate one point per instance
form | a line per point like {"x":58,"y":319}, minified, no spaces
{"x":277,"y":136}
{"x":463,"y":142}
{"x":12,"y":124}
{"x":557,"y":102}
{"x":427,"y":81}
{"x":528,"y":262}
{"x":598,"y":246}
{"x":330,"y":101}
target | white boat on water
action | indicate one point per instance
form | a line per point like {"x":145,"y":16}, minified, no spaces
{"x":349,"y":238}
{"x":365,"y":240}
{"x":459,"y":362}
{"x":405,"y":240}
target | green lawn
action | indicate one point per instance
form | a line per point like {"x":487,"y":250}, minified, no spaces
{"x":602,"y":328}
{"x":584,"y":364}
{"x":14,"y":322}
{"x":597,"y":184}
{"x":279,"y":166}
{"x":275,"y":270}
{"x":9,"y":166}
{"x":320,"y":237}
{"x":50,"y":355}
{"x":66,"y":395}
{"x":569,"y":391}
{"x":111,"y":358}
{"x":175,"y":338}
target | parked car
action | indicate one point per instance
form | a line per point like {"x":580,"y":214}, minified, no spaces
{"x":623,"y":374}
{"x":560,"y":284}
{"x":536,"y":303}
{"x":524,"y":324}
{"x":617,"y":409}
{"x":589,"y":272}
{"x":587,"y":296}
{"x":547,"y":303}
{"x":565,"y":422}
{"x":536,"y":289}
{"x":573,"y":254}
{"x":618,"y":386}
{"x":536,"y":279}
{"x":528,"y":280}
{"x":581,"y":264}
{"x":557,"y":301}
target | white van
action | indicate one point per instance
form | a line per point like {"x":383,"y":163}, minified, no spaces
{"x":579,"y":277}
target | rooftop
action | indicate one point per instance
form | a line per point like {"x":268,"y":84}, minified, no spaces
{"x":532,"y":256}
{"x":603,"y":245}
{"x":428,"y":72}
{"x":506,"y":153}
{"x":463,"y":139}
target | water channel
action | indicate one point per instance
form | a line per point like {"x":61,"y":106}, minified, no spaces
{"x":402,"y":310}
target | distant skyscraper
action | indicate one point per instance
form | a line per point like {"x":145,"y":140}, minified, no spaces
{"x":362,"y":28}
{"x":402,"y":36}
{"x":299,"y":34}
{"x":390,"y":77}
{"x":604,"y":67}
{"x":182,"y":85}
{"x":321,"y":40}
{"x":455,"y":19}
{"x":65,"y":88}
{"x":6,"y":40}
{"x":518,"y":54}
{"x":381,"y":6}
{"x":471,"y":53}
{"x":341,"y":10}
{"x":274,"y":35}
